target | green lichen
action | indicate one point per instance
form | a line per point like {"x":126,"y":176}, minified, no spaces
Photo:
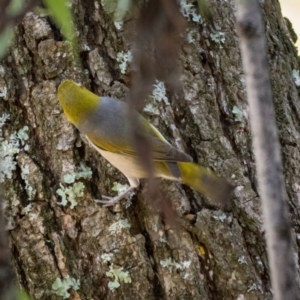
{"x":82,"y":172}
{"x":119,"y":225}
{"x":189,"y":11}
{"x":151,"y":109}
{"x":117,"y":275}
{"x":23,"y":135}
{"x":74,"y":189}
{"x":119,"y":188}
{"x":159,"y":92}
{"x":218,"y":38}
{"x":9,"y":147}
{"x":70,"y":194}
{"x":170,"y":263}
{"x":106,"y":257}
{"x":238,"y":114}
{"x":61,"y":287}
{"x":123,"y":58}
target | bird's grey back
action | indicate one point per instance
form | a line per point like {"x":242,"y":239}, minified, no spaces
{"x":110,"y":121}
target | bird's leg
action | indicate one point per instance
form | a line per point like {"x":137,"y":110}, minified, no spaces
{"x":112,"y":200}
{"x":134,"y":183}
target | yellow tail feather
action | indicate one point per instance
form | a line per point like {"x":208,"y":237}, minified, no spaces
{"x":205,"y":182}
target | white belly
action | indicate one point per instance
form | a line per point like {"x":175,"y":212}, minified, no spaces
{"x":129,"y":166}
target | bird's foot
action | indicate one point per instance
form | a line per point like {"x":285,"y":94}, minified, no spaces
{"x":109,"y":200}
{"x":112,"y":200}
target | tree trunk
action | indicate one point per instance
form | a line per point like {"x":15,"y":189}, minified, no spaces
{"x":212,"y":253}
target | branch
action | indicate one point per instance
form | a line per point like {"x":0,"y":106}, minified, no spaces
{"x":267,"y":150}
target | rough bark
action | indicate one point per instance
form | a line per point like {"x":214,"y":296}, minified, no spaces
{"x":212,"y":253}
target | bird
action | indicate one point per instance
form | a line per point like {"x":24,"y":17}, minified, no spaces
{"x":105,"y":124}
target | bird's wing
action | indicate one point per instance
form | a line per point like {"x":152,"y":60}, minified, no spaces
{"x":161,"y":149}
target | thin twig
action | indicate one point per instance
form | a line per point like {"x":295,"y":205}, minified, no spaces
{"x":7,"y":20}
{"x":267,"y":151}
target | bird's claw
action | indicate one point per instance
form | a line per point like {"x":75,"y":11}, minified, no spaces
{"x":112,"y":200}
{"x":108,"y":202}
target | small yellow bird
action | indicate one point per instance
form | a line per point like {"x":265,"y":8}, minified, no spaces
{"x":104,"y":121}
